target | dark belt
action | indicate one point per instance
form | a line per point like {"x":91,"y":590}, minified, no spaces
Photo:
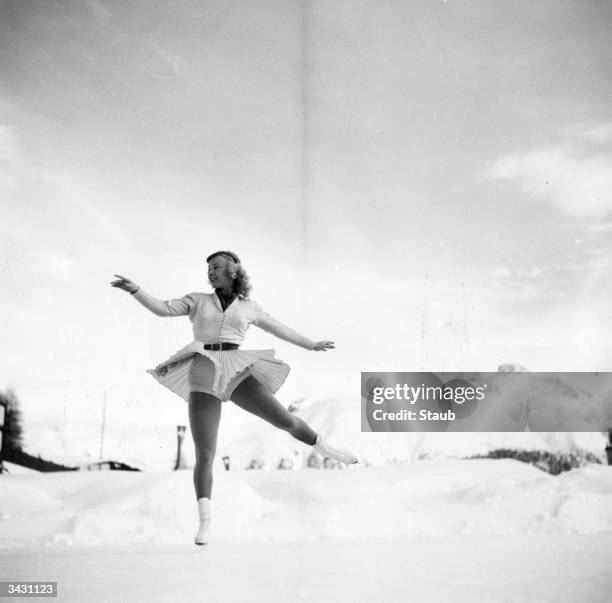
{"x":221,"y":346}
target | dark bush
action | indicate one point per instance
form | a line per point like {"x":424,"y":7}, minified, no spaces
{"x":13,"y":426}
{"x":551,"y":462}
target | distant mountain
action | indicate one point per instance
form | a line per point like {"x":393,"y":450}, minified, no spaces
{"x":338,"y":420}
{"x":542,"y":401}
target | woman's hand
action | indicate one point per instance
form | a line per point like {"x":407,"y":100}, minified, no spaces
{"x":125,"y":283}
{"x":323,"y":346}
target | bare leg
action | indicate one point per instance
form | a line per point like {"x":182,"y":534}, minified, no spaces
{"x":252,"y":396}
{"x":204,"y":417}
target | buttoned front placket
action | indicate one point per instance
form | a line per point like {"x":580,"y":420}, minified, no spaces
{"x":221,"y":327}
{"x":217,"y":303}
{"x":223,"y":314}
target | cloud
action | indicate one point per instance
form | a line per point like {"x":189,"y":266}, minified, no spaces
{"x":599,"y":133}
{"x":551,"y":283}
{"x":32,"y":192}
{"x":159,"y":61}
{"x":7,"y":143}
{"x":575,"y":175}
{"x":61,"y":265}
{"x":8,"y":159}
{"x":99,"y":9}
{"x":54,"y":264}
{"x":576,"y":178}
{"x":578,"y":184}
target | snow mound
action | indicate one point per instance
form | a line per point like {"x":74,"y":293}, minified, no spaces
{"x":426,"y":499}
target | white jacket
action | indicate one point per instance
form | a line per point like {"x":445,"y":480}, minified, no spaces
{"x":212,"y":325}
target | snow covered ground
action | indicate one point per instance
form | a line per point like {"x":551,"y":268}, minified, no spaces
{"x":461,"y":530}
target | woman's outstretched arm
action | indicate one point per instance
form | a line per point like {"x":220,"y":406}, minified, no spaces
{"x":269,"y":324}
{"x":172,"y":307}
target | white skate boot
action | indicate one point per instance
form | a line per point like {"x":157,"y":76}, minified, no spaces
{"x":336,"y":454}
{"x":201,"y":536}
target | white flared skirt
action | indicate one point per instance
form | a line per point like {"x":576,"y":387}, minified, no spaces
{"x":218,"y":373}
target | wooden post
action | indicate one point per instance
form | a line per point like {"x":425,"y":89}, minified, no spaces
{"x":103,"y":426}
{"x":180,"y":436}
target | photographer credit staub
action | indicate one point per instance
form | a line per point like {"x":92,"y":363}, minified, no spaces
{"x":306,"y":300}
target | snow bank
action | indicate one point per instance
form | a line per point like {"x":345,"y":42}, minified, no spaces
{"x":425,"y":499}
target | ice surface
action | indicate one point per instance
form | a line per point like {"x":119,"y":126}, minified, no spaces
{"x":559,"y":569}
{"x":461,"y":530}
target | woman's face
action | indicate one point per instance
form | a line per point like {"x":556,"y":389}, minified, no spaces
{"x":219,"y":274}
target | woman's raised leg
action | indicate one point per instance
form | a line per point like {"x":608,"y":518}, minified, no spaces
{"x":252,"y":396}
{"x":204,"y":417}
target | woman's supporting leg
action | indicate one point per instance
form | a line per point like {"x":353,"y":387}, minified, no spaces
{"x":204,"y":417}
{"x":252,"y":396}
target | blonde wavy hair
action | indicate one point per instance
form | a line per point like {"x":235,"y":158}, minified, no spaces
{"x":242,"y":282}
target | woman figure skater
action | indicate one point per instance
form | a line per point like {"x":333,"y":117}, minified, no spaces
{"x":213,"y":369}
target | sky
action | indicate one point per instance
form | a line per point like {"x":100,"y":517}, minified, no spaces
{"x":428,"y":183}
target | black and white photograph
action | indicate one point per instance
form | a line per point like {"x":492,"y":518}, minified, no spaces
{"x":306,"y":300}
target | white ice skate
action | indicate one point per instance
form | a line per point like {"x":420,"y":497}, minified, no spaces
{"x":336,"y":454}
{"x":204,"y":514}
